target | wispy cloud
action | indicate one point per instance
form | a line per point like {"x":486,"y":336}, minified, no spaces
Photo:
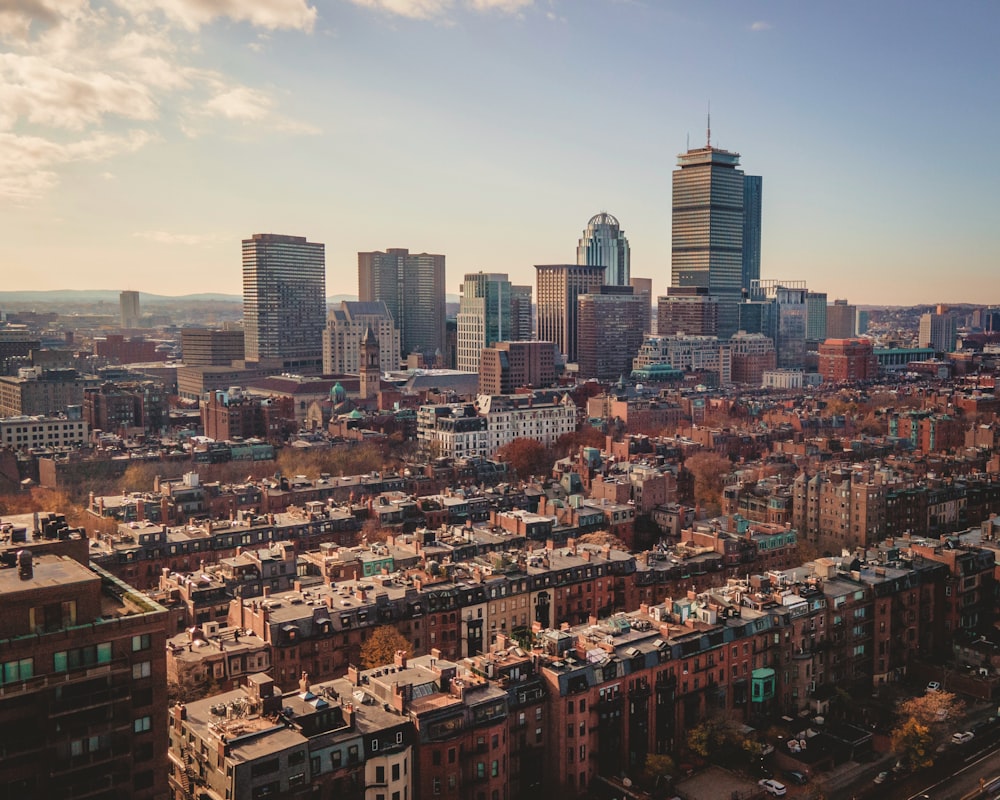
{"x":760,"y":25}
{"x":84,"y":81}
{"x":188,"y":239}
{"x":437,"y":9}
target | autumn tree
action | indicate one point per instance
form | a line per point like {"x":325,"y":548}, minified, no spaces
{"x":658,"y":767}
{"x":381,"y":646}
{"x":710,"y":471}
{"x":570,"y":443}
{"x":912,"y":743}
{"x":527,"y":457}
{"x":932,"y":708}
{"x":602,"y":538}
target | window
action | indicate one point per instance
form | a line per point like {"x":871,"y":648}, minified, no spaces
{"x":141,"y":642}
{"x":395,"y":772}
{"x":379,"y":774}
{"x":494,"y":769}
{"x":141,"y":670}
{"x":142,"y":724}
{"x":82,"y":657}
{"x":19,"y":670}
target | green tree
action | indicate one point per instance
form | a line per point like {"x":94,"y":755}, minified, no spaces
{"x":657,"y":767}
{"x":381,"y":646}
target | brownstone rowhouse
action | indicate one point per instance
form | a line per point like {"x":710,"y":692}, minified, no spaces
{"x":82,"y":683}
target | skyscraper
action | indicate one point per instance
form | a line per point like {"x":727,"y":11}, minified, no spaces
{"x":129,"y":303}
{"x":412,"y":287}
{"x":604,"y":244}
{"x":559,"y":288}
{"x":937,"y":330}
{"x":752,"y":189}
{"x":484,"y":316}
{"x":345,"y":330}
{"x":707,"y":230}
{"x":841,"y":320}
{"x":609,"y":333}
{"x":816,"y":316}
{"x":520,"y":310}
{"x":284,"y":301}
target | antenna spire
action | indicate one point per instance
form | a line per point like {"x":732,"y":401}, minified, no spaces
{"x":709,"y":132}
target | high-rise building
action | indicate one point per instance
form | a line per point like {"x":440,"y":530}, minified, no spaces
{"x":840,"y":320}
{"x":520,"y":312}
{"x":847,"y":360}
{"x":559,"y":289}
{"x":752,"y":191}
{"x":604,"y":244}
{"x":485,"y":316}
{"x":84,"y":676}
{"x":346,"y":327}
{"x":937,"y":330}
{"x":784,"y":320}
{"x":610,"y":331}
{"x":284,"y":301}
{"x":129,"y":303}
{"x":211,"y":348}
{"x":644,"y":288}
{"x":412,"y":285}
{"x":816,"y":319}
{"x":707,"y":231}
{"x":687,"y":309}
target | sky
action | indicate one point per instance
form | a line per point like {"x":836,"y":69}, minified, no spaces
{"x":141,"y":140}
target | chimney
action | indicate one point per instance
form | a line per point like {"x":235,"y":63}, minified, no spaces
{"x":354,"y":675}
{"x":297,"y":586}
{"x":25,"y":570}
{"x":267,"y":591}
{"x":400,"y":659}
{"x":304,"y":682}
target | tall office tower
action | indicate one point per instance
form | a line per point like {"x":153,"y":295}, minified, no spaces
{"x":346,"y":328}
{"x":752,"y":189}
{"x":412,"y":286}
{"x":520,"y":312}
{"x":816,"y":316}
{"x":284,"y":301}
{"x":707,"y":231}
{"x":841,"y":320}
{"x":604,"y":244}
{"x":507,"y":366}
{"x":687,"y":309}
{"x":211,"y":348}
{"x":484,"y":316}
{"x":609,"y":333}
{"x":129,"y":304}
{"x":559,"y":288}
{"x":644,"y":288}
{"x":791,"y":341}
{"x":937,"y":330}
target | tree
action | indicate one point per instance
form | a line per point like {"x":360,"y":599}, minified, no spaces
{"x":570,"y":443}
{"x":527,"y":457}
{"x":657,"y":767}
{"x":381,"y":646}
{"x":602,"y":538}
{"x":911,"y":742}
{"x":932,"y":709}
{"x":710,"y":471}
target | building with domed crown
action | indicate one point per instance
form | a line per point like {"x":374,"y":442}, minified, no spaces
{"x":604,"y":244}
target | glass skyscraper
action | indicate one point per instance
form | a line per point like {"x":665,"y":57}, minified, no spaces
{"x":485,"y":317}
{"x":284,"y":301}
{"x":604,"y":245}
{"x":707,"y":230}
{"x":752,"y":188}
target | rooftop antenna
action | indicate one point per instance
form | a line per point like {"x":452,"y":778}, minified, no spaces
{"x":688,"y":141}
{"x":709,"y":132}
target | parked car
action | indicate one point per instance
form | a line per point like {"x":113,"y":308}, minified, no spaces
{"x":882,"y":777}
{"x":796,"y":777}
{"x":772,"y":786}
{"x":933,"y":686}
{"x":962,"y":737}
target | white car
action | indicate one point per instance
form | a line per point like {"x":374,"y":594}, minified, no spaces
{"x":933,"y":686}
{"x":772,"y":786}
{"x":962,"y":737}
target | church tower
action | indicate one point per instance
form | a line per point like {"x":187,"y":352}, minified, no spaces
{"x":371,"y":366}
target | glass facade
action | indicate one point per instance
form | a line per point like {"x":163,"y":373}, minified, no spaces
{"x":604,"y":245}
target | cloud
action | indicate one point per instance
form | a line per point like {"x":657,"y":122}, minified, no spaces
{"x":82,"y":81}
{"x":189,"y":239}
{"x":760,"y":25}
{"x":433,"y":9}
{"x":269,"y":14}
